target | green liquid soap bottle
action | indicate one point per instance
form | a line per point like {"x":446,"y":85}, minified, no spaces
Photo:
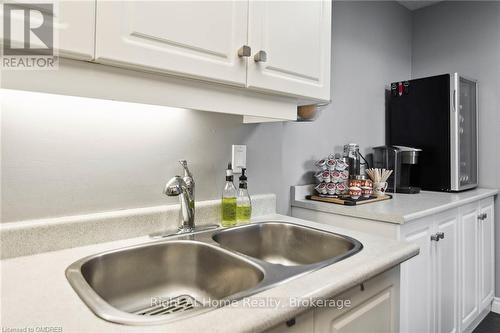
{"x":228,"y":205}
{"x":243,"y":202}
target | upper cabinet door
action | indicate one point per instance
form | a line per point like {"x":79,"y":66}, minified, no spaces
{"x":76,"y":27}
{"x":189,"y":38}
{"x":290,"y":43}
{"x":73,"y":22}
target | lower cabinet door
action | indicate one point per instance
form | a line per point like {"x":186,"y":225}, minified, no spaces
{"x":371,"y":316}
{"x":486,"y":252}
{"x":469,"y":267}
{"x":417,"y":301}
{"x":447,"y":272}
{"x":374,"y":308}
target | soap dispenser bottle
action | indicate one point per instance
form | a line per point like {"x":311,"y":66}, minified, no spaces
{"x":243,"y":202}
{"x":228,"y":205}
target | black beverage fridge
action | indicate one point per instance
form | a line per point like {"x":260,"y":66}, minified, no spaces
{"x":437,"y":114}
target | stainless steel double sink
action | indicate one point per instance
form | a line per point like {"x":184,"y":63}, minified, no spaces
{"x":186,"y":275}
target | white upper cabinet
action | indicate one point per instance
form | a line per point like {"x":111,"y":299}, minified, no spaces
{"x":198,"y":43}
{"x":73,"y":22}
{"x":76,"y":27}
{"x":287,"y":42}
{"x":189,"y":38}
{"x":290,"y":43}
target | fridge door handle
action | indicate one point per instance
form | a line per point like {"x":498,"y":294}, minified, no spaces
{"x":454,"y":136}
{"x":454,"y":100}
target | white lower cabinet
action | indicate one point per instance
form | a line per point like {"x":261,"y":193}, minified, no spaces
{"x":429,"y":281}
{"x":373,"y":308}
{"x":486,"y":254}
{"x":449,"y":286}
{"x":446,"y":268}
{"x":469,"y":224}
{"x":416,"y":277}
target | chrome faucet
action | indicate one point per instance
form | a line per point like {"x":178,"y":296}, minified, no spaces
{"x":184,"y":188}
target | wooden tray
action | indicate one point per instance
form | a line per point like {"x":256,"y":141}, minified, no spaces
{"x":348,"y":201}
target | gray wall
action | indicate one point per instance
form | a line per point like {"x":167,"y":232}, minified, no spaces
{"x":371,"y":47}
{"x":464,"y":37}
{"x":68,"y":155}
{"x":64,"y":155}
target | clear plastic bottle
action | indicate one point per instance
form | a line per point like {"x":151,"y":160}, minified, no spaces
{"x":228,"y":206}
{"x":243,"y":202}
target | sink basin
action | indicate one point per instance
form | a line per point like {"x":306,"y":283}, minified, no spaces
{"x":164,"y":280}
{"x":185,"y":275}
{"x":285,"y":243}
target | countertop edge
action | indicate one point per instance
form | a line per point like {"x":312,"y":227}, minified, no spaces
{"x":306,"y":204}
{"x":432,"y":211}
{"x":388,"y":217}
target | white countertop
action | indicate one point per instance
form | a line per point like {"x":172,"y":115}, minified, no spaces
{"x":35,"y":292}
{"x":400,"y":209}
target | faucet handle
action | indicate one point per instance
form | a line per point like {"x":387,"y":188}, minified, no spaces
{"x":184,"y":164}
{"x":188,"y":176}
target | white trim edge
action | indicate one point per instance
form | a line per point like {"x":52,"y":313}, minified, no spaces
{"x":495,"y":306}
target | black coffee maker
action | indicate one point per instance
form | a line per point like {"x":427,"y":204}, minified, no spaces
{"x":404,"y":161}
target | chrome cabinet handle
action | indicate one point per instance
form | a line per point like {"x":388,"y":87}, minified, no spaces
{"x":260,"y":56}
{"x":437,"y":236}
{"x":485,"y":216}
{"x":244,"y":51}
{"x":482,"y":216}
